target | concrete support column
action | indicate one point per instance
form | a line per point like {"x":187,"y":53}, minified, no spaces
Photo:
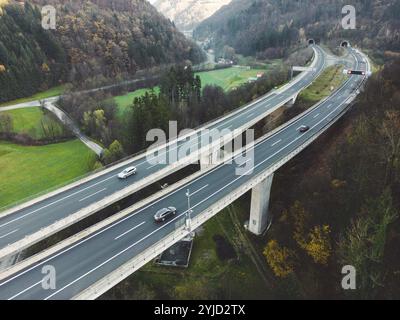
{"x":260,"y":194}
{"x":292,"y":101}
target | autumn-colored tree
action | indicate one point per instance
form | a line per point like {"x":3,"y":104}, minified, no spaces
{"x":319,"y":246}
{"x":280,"y":259}
{"x":300,"y":217}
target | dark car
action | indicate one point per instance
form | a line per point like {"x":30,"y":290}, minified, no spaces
{"x":164,"y":213}
{"x":304,"y":129}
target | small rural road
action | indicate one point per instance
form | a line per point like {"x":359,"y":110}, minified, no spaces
{"x":62,"y":116}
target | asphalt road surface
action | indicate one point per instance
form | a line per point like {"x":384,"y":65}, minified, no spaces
{"x":81,"y":264}
{"x":31,"y":219}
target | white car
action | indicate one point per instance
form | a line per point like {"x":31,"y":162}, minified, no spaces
{"x":127,"y":172}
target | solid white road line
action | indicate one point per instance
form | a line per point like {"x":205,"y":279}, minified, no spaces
{"x":50,"y":204}
{"x":25,"y":290}
{"x":275,"y":143}
{"x":135,"y":213}
{"x":93,"y":194}
{"x":143,"y":162}
{"x":156,"y":230}
{"x":243,"y":163}
{"x":203,"y":187}
{"x":7,"y":234}
{"x":131,"y":229}
{"x":154,"y":165}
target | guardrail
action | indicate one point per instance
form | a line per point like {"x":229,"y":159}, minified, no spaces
{"x":131,"y":158}
{"x":87,"y":211}
{"x":180,"y":232}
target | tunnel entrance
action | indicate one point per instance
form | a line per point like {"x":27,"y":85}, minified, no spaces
{"x":311,"y":42}
{"x":345,"y":44}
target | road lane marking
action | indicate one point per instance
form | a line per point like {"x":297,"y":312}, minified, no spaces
{"x":250,"y":115}
{"x":250,"y":108}
{"x":131,"y":229}
{"x":23,"y":291}
{"x":50,"y":204}
{"x":156,"y":230}
{"x":7,"y":234}
{"x":93,"y":194}
{"x":275,"y":143}
{"x":316,"y":116}
{"x":330,"y":105}
{"x":154,"y":165}
{"x":203,"y":187}
{"x":144,"y":208}
{"x":243,"y":163}
{"x":128,"y":217}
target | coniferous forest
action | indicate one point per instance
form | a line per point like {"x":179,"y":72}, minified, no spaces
{"x":93,"y":39}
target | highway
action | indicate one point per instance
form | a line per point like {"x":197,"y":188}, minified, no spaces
{"x":81,"y":264}
{"x":29,"y":219}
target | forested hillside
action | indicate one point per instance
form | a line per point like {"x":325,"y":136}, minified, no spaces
{"x":341,"y":207}
{"x":269,"y":27}
{"x":94,"y":38}
{"x":31,"y":59}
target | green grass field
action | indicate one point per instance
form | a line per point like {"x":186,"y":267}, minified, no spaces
{"x":126,"y":100}
{"x":52,"y":92}
{"x":229,"y":78}
{"x":28,"y":121}
{"x":331,"y":78}
{"x":226,"y":78}
{"x":27,"y":171}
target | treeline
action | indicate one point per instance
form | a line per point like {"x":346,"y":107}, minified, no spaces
{"x":93,"y":40}
{"x":342,"y":207}
{"x":181,"y":98}
{"x":269,"y":28}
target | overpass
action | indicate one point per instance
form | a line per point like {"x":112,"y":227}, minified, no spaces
{"x":21,"y":227}
{"x":89,"y":264}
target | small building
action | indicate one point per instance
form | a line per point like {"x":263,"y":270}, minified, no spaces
{"x":177,"y":255}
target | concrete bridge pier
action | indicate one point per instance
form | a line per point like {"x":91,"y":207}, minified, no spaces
{"x":260,"y":195}
{"x":292,"y":101}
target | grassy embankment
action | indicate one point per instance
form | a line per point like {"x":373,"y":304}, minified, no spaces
{"x":209,"y":276}
{"x":329,"y":80}
{"x":26,"y":171}
{"x":30,"y":121}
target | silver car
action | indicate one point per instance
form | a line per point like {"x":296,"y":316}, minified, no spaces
{"x":127,"y":172}
{"x":164,"y":213}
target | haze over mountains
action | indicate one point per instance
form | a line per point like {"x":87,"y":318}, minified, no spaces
{"x":187,"y":14}
{"x":269,"y":27}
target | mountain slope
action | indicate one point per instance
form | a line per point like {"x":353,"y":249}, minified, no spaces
{"x":256,"y":26}
{"x":186,"y":14}
{"x":96,"y":38}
